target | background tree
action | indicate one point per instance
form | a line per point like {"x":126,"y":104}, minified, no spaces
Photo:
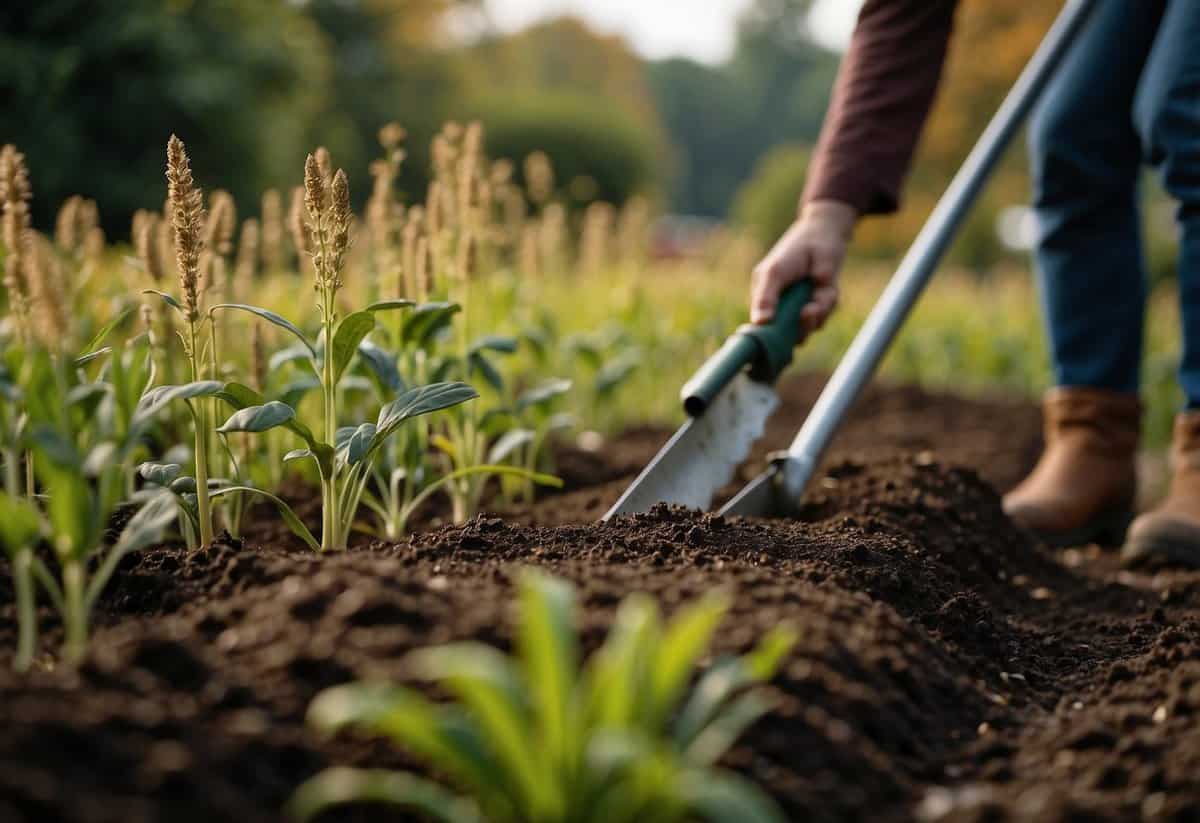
{"x":94,"y":96}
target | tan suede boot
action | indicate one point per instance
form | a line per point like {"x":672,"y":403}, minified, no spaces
{"x":1171,"y":532}
{"x":1083,"y":487}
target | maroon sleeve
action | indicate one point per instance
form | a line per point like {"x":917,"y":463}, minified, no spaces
{"x":883,"y":93}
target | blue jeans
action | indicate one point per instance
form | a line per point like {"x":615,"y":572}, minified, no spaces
{"x":1128,"y":94}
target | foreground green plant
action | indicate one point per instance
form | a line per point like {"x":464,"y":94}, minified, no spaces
{"x":537,"y":737}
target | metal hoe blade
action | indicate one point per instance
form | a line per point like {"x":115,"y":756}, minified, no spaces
{"x":702,"y":456}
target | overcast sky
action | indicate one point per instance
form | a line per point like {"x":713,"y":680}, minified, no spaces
{"x":701,"y":29}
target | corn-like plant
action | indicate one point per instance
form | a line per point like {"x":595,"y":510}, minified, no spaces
{"x":185,"y":203}
{"x":21,"y":528}
{"x":80,"y":458}
{"x":344,"y":456}
{"x":539,"y":737}
{"x":405,"y":476}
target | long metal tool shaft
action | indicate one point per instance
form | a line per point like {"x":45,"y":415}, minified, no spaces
{"x":915,"y":270}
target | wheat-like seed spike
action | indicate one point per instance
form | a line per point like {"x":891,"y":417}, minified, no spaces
{"x":66,"y":224}
{"x":93,"y":245}
{"x":422,"y":273}
{"x":272,"y":230}
{"x":247,"y":258}
{"x":258,"y":358}
{"x":15,"y":193}
{"x":49,"y":304}
{"x":391,"y":136}
{"x":301,"y":238}
{"x":149,"y":251}
{"x":539,"y":177}
{"x":187,"y":222}
{"x":340,"y":214}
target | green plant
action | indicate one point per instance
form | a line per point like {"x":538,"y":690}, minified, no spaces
{"x":185,"y":203}
{"x":344,"y":456}
{"x":405,"y":475}
{"x":539,"y":737}
{"x":21,"y":528}
{"x":80,"y":460}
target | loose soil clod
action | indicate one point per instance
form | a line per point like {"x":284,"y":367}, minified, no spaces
{"x":947,"y":669}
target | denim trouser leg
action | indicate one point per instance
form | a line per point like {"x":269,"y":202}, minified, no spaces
{"x":1085,"y":157}
{"x":1167,"y":114}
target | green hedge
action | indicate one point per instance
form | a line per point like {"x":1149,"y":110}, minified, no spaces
{"x":584,"y":137}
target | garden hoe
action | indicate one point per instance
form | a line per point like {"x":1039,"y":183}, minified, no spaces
{"x":730,"y":398}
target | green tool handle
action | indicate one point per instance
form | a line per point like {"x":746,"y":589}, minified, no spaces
{"x":766,"y":350}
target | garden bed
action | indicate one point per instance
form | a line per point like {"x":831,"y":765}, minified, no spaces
{"x":946,"y":668}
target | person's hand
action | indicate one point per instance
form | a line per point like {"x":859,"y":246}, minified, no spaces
{"x":812,"y":249}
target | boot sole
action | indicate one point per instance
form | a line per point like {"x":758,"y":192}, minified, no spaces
{"x":1107,"y":529}
{"x":1148,"y":550}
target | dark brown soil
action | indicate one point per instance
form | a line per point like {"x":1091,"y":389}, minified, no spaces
{"x":947,"y":669}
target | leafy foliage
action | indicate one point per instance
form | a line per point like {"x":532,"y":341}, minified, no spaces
{"x":544,"y":736}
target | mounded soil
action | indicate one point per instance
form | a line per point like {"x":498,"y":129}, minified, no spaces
{"x":948,"y":669}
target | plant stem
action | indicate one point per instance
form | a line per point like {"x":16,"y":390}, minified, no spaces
{"x":12,"y":472}
{"x":26,"y":614}
{"x":200,"y":419}
{"x":330,"y":539}
{"x":75,"y":612}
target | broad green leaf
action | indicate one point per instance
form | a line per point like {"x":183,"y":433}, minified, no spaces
{"x":616,"y":372}
{"x":157,"y":398}
{"x":293,"y":522}
{"x":339,"y":786}
{"x":184,"y":485}
{"x":549,"y":652}
{"x":258,"y":418}
{"x":166,"y":298}
{"x":389,"y":305}
{"x":418,"y":401}
{"x":478,"y":362}
{"x":241,"y":396}
{"x":543,"y":393}
{"x":685,"y":640}
{"x":350,"y":332}
{"x":270,"y":317}
{"x":294,"y":392}
{"x":503,"y":344}
{"x":724,"y":797}
{"x":359,"y":443}
{"x":162,"y":474}
{"x":290,"y":355}
{"x":426,"y":321}
{"x":508,"y":443}
{"x":382,"y":367}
